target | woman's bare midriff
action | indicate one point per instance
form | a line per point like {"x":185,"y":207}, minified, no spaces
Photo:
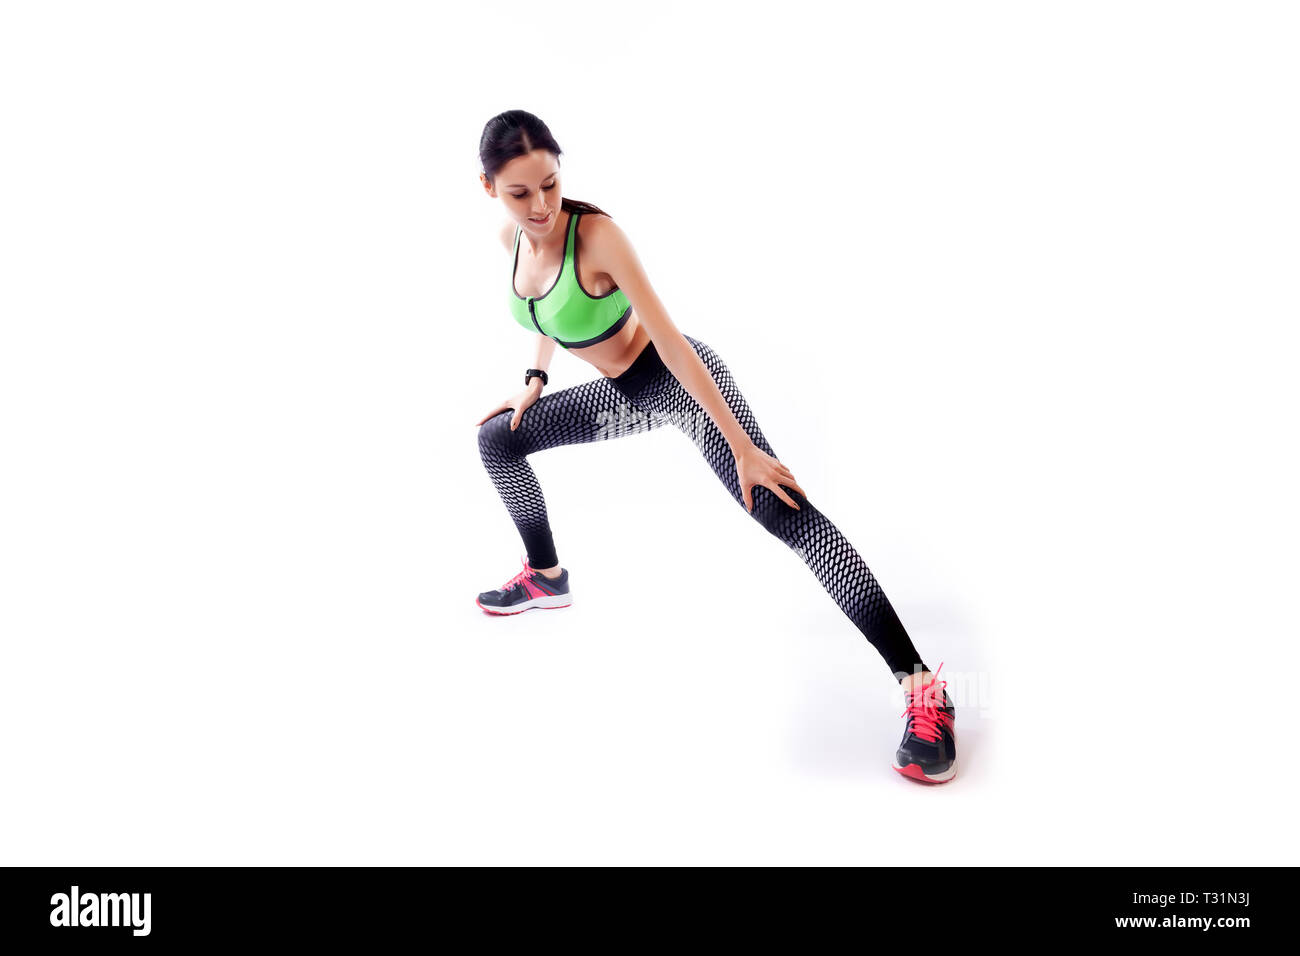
{"x":616,"y":354}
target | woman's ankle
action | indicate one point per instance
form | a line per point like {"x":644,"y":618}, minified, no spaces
{"x":914,"y":682}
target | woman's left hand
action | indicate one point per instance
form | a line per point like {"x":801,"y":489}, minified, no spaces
{"x":756,"y":467}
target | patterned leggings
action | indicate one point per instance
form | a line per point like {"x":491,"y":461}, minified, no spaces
{"x":646,"y":396}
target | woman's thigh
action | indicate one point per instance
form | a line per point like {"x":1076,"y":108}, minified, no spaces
{"x":676,"y":405}
{"x":590,"y":411}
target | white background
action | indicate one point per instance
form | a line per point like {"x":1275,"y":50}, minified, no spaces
{"x":1010,"y":286}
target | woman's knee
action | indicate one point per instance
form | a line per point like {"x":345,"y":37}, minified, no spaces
{"x":778,"y":518}
{"x":496,"y":439}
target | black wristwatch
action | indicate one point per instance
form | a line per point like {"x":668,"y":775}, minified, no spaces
{"x":535,"y":372}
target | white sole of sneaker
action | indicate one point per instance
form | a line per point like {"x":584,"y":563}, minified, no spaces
{"x":916,"y":773}
{"x":548,"y":602}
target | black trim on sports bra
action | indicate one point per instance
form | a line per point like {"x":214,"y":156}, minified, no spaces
{"x":577,"y":275}
{"x":515,"y":269}
{"x":608,"y":333}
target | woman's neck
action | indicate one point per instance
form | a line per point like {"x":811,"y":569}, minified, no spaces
{"x":554,"y":240}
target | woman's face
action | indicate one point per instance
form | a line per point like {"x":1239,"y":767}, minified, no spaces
{"x":529,"y":185}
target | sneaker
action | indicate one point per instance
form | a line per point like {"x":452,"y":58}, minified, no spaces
{"x":527,"y":589}
{"x":929,"y":748}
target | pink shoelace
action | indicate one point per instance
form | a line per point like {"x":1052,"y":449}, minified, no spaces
{"x":519,"y":578}
{"x":924,"y":709}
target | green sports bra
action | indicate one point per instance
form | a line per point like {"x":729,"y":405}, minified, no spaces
{"x":566,"y":312}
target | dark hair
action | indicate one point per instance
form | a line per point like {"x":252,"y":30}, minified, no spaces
{"x":517,"y":133}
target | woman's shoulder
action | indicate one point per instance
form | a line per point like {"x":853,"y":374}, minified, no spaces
{"x":507,"y":235}
{"x":602,"y":242}
{"x":592,"y":225}
{"x":589,"y":220}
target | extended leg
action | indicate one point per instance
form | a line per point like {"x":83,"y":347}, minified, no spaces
{"x":821,"y":545}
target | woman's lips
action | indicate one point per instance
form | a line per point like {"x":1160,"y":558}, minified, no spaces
{"x":541,"y":222}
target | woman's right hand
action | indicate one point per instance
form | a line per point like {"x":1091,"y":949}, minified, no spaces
{"x":518,"y":402}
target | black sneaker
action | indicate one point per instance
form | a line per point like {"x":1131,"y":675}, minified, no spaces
{"x":527,"y":589}
{"x":929,"y":748}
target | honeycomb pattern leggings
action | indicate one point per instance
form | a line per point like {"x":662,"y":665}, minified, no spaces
{"x":647,"y":396}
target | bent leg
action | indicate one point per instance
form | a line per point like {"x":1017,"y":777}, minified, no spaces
{"x":591,"y":411}
{"x":808,"y":532}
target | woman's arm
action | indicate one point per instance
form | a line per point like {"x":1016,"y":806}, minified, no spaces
{"x":525,"y":397}
{"x":545,"y":350}
{"x":614,"y":254}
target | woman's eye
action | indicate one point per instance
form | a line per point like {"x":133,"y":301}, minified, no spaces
{"x":524,"y":195}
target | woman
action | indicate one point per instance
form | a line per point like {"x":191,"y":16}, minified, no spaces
{"x":577,"y":281}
